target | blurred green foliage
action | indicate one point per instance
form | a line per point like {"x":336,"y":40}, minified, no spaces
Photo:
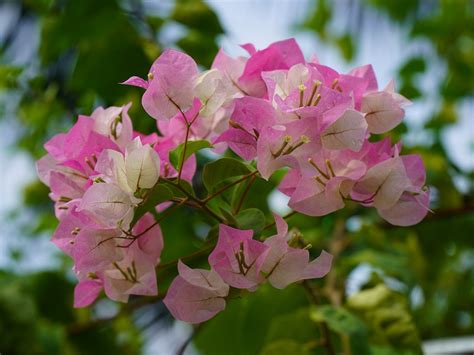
{"x":422,"y":278}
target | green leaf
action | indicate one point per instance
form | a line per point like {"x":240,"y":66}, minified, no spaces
{"x":200,"y":46}
{"x":287,"y":347}
{"x":251,"y":218}
{"x":178,"y":190}
{"x":228,"y":215}
{"x":220,"y":170}
{"x":197,"y":15}
{"x":412,"y":67}
{"x":346,"y":46}
{"x":288,"y":327}
{"x":160,"y":193}
{"x":387,"y":313}
{"x":341,"y":321}
{"x":9,"y":76}
{"x":246,"y":321}
{"x":192,"y":147}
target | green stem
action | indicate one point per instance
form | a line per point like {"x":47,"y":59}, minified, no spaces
{"x":162,"y":217}
{"x":183,"y":154}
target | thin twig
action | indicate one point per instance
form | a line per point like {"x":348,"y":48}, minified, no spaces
{"x":314,"y":298}
{"x":221,"y":190}
{"x":77,"y":328}
{"x":270,"y":225}
{"x":189,"y":257}
{"x":244,"y":194}
{"x":183,"y":154}
{"x":161,"y":218}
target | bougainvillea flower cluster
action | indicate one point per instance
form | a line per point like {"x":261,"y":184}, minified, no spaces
{"x":270,"y":106}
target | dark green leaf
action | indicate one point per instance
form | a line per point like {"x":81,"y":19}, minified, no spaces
{"x":160,"y":193}
{"x":251,"y":218}
{"x":246,"y":321}
{"x":228,"y":216}
{"x":184,"y":189}
{"x":176,"y":155}
{"x":341,"y":321}
{"x":287,"y":347}
{"x":196,"y":14}
{"x":220,"y":170}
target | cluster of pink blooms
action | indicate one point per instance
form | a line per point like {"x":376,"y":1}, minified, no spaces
{"x":272,"y":106}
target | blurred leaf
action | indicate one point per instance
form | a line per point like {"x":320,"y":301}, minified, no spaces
{"x":346,"y":46}
{"x":320,"y":17}
{"x":57,"y":308}
{"x":196,"y":14}
{"x":388,"y":316}
{"x":345,"y":323}
{"x":200,"y":46}
{"x":246,"y":321}
{"x":9,"y":76}
{"x":287,"y":347}
{"x":412,"y":66}
{"x":88,"y":35}
{"x":447,"y":115}
{"x":399,"y":10}
{"x":288,"y":327}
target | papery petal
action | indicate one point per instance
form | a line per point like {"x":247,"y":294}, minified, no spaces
{"x":312,"y":199}
{"x":172,"y":85}
{"x":208,"y":279}
{"x":190,"y":303}
{"x":348,"y":131}
{"x":118,"y":288}
{"x":108,"y":204}
{"x":69,"y":226}
{"x":285,"y":265}
{"x":95,"y":249}
{"x":232,"y":68}
{"x":415,"y":169}
{"x":142,"y":167}
{"x":151,"y":242}
{"x":410,"y":209}
{"x":382,"y":112}
{"x":115,"y":123}
{"x":86,"y":292}
{"x":253,"y":114}
{"x":210,"y":89}
{"x":289,"y":268}
{"x":62,"y":186}
{"x":242,"y":143}
{"x":279,"y":55}
{"x":111,"y":164}
{"x":366,"y":72}
{"x":290,"y":181}
{"x":383,"y":184}
{"x":319,"y":267}
{"x":223,"y":258}
{"x":249,"y":47}
{"x":136,"y":81}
